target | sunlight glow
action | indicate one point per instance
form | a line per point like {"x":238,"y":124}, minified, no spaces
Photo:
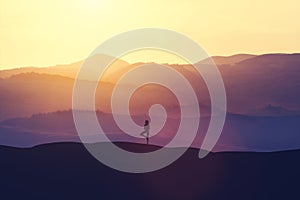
{"x":90,"y":4}
{"x":44,"y":33}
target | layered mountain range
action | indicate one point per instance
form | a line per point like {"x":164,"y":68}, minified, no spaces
{"x":262,"y":99}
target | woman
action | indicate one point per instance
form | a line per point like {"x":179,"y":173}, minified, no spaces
{"x":145,"y":133}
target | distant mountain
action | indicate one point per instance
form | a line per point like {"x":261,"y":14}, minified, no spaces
{"x":271,"y":110}
{"x":26,"y":94}
{"x":240,"y":133}
{"x":71,"y":70}
{"x":251,"y":84}
{"x":67,"y":70}
{"x":228,"y":60}
{"x":263,"y":80}
{"x":272,"y":60}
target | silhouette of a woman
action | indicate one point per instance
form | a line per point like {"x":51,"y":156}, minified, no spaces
{"x":145,"y":133}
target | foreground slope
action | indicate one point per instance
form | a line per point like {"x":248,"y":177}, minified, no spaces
{"x":68,"y":171}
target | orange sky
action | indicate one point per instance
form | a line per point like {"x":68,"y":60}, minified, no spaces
{"x":43,"y":33}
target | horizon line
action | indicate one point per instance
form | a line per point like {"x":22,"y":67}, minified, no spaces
{"x":2,"y":68}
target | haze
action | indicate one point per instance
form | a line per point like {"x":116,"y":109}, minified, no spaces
{"x":45,"y":33}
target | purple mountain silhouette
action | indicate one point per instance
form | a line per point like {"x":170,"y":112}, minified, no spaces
{"x":263,"y":104}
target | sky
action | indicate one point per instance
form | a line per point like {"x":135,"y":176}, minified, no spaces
{"x":45,"y":33}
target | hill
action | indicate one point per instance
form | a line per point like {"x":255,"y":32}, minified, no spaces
{"x":228,"y":60}
{"x":68,"y":171}
{"x":67,"y":70}
{"x":252,"y":84}
{"x":240,"y":132}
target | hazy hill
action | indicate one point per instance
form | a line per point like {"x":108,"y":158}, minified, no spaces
{"x":228,"y":60}
{"x":26,"y":94}
{"x":240,"y":133}
{"x":71,"y":70}
{"x":251,"y":85}
{"x":66,"y":70}
{"x":23,"y":95}
{"x":263,"y":80}
{"x":271,"y":110}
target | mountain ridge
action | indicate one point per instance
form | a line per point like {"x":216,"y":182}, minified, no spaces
{"x":219,"y":60}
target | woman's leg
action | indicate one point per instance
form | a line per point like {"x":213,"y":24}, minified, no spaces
{"x":143,"y":134}
{"x":147,"y":138}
